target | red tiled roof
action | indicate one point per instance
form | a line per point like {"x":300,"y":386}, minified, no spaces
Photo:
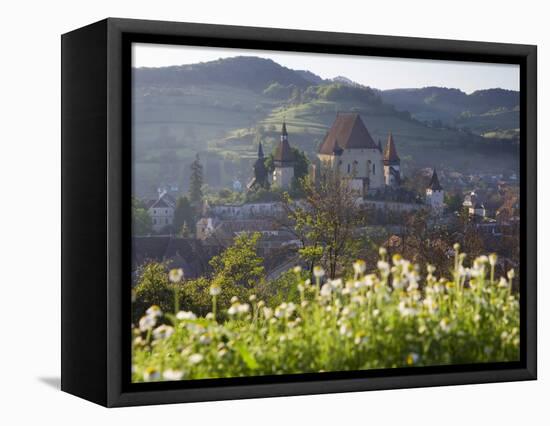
{"x":390,"y":153}
{"x":348,"y":132}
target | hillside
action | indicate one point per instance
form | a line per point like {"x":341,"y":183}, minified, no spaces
{"x":241,"y":71}
{"x":223,"y":108}
{"x":481,"y":111}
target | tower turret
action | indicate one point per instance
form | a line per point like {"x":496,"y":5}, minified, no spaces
{"x":435,"y":194}
{"x":283,"y":161}
{"x":392,"y":163}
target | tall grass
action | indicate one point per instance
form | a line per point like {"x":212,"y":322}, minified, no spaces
{"x":391,"y":318}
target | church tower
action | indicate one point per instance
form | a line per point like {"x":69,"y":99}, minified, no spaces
{"x":283,"y":161}
{"x":392,"y":164}
{"x":435,"y":194}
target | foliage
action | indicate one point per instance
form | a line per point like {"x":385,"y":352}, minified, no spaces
{"x":239,"y":265}
{"x":141,"y":221}
{"x":392,"y":318}
{"x":237,"y":271}
{"x":282,"y":289}
{"x":453,"y":201}
{"x":153,"y":288}
{"x":278,"y":91}
{"x":326,"y":221}
{"x":196,"y":182}
{"x":345,"y":92}
{"x":301,"y":168}
{"x":184,"y":215}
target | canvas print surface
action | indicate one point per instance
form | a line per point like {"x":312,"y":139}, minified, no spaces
{"x":307,"y":213}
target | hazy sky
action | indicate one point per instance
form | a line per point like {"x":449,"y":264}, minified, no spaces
{"x":380,"y":73}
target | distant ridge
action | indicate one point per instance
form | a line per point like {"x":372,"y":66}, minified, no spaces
{"x":241,"y":71}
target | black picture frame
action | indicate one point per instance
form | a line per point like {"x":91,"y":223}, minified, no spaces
{"x":96,"y":184}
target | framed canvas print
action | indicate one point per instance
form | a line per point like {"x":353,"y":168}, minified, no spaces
{"x":253,"y":212}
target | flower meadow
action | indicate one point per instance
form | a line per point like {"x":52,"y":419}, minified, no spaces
{"x":390,"y":318}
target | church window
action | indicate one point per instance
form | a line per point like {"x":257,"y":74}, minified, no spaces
{"x":349,"y":167}
{"x":374,"y":169}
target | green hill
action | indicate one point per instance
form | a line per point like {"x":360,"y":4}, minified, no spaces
{"x":222,"y":109}
{"x":481,"y":111}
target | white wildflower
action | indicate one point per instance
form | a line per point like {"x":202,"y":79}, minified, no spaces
{"x":172,"y":374}
{"x":205,"y":339}
{"x":318,"y":272}
{"x":345,"y":331}
{"x":163,"y":332}
{"x":268,"y":313}
{"x":412,"y":358}
{"x":326,"y":290}
{"x":444,"y":325}
{"x":185,"y":315}
{"x":195,"y":358}
{"x":243,"y":308}
{"x":430,"y":303}
{"x":215,"y":290}
{"x":175,"y":275}
{"x":147,"y":322}
{"x":359,"y":267}
{"x":369,"y":280}
{"x":151,"y":374}
{"x":154,"y":311}
{"x":337,"y":283}
{"x":383,"y":266}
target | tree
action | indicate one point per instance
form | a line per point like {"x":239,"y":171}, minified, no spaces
{"x":301,"y":166}
{"x":453,"y":201}
{"x":196,"y":182}
{"x":424,"y":241}
{"x":184,"y":215}
{"x":239,"y":265}
{"x":141,"y":221}
{"x":327,"y":220}
{"x":153,"y":288}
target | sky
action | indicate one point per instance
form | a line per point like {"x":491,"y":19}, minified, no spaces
{"x":376,"y":72}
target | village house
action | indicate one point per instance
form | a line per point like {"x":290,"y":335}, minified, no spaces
{"x":161,"y":211}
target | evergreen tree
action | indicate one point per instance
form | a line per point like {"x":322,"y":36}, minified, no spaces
{"x":196,"y":182}
{"x":184,"y":214}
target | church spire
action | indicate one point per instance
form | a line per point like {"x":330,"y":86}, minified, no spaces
{"x":260,"y":150}
{"x":434,"y":183}
{"x":390,"y":153}
{"x":284,"y":134}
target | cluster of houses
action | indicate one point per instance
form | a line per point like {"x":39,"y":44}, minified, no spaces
{"x":348,"y":147}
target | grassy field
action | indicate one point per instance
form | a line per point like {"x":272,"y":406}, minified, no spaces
{"x":393,"y":318}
